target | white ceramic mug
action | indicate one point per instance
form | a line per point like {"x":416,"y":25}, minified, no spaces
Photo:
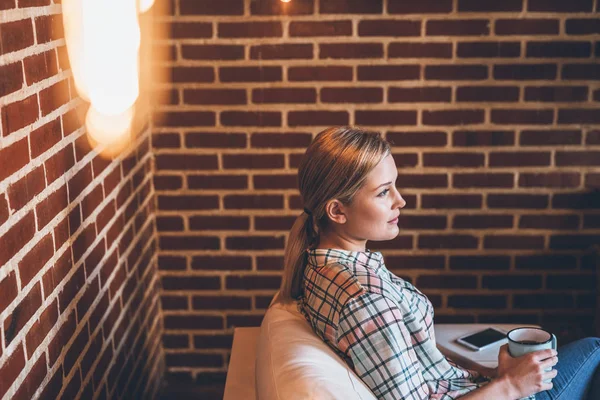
{"x":526,"y":340}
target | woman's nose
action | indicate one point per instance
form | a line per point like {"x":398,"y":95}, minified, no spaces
{"x":400,"y":200}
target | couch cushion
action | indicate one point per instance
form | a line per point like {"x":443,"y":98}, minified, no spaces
{"x":292,"y":362}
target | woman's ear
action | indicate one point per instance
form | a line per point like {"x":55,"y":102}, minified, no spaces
{"x":335,"y":211}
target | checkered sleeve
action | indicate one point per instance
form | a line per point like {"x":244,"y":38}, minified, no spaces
{"x":372,"y":334}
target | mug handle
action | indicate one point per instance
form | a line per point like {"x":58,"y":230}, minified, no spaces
{"x":554,"y":342}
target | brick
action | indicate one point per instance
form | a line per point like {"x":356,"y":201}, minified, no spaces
{"x":189,"y":242}
{"x":16,"y":35}
{"x":71,"y":288}
{"x":20,"y":233}
{"x":176,"y":341}
{"x":234,"y":321}
{"x":550,"y":222}
{"x":284,"y":95}
{"x":213,"y":341}
{"x":447,"y":281}
{"x":546,"y":262}
{"x":350,"y":7}
{"x":456,"y":72}
{"x":75,"y":351}
{"x":519,"y":159}
{"x":361,"y":50}
{"x":515,"y":72}
{"x":579,"y":116}
{"x":252,"y":202}
{"x":417,"y":139}
{"x":387,"y":72}
{"x":23,"y":191}
{"x":453,"y":117}
{"x":400,"y":263}
{"x":11,"y":78}
{"x":421,"y":222}
{"x":189,"y":75}
{"x":280,"y":140}
{"x":550,"y":137}
{"x":250,"y":118}
{"x":43,"y":138}
{"x":193,"y":360}
{"x":482,"y":222}
{"x":447,"y":242}
{"x":515,"y":116}
{"x":253,"y":161}
{"x":275,"y":181}
{"x":185,"y":118}
{"x":49,"y":28}
{"x":581,"y":26}
{"x":562,"y":49}
{"x":422,"y":180}
{"x":273,"y":223}
{"x":165,"y":97}
{"x":19,"y":114}
{"x":385,"y":117}
{"x":476,"y":263}
{"x":79,"y":182}
{"x":476,"y":302}
{"x":472,"y":27}
{"x":221,"y":303}
{"x":277,"y":7}
{"x":269,"y":263}
{"x":215,"y":140}
{"x":543,"y":300}
{"x":352,"y":95}
{"x":87,"y":299}
{"x":89,"y":358}
{"x":590,"y":222}
{"x":488,"y":49}
{"x":550,"y":179}
{"x":166,"y":140}
{"x":573,"y":242}
{"x":11,"y":368}
{"x":40,"y":66}
{"x":483,"y":180}
{"x":217,"y":181}
{"x":281,"y":51}
{"x":40,"y":329}
{"x":35,"y":260}
{"x":54,"y":97}
{"x":511,"y":282}
{"x":254,"y":243}
{"x":478,"y":6}
{"x":559,"y":6}
{"x":4,"y":211}
{"x":320,"y":28}
{"x":187,"y":202}
{"x":317,"y":118}
{"x":513,"y":242}
{"x":185,"y":161}
{"x":527,"y":201}
{"x":251,"y":74}
{"x":419,"y":94}
{"x":487,"y":93}
{"x":212,"y":52}
{"x":592,"y":180}
{"x":22,"y":313}
{"x":187,"y":30}
{"x":221,"y":263}
{"x":214,"y":96}
{"x":557,"y":93}
{"x":7,"y":4}
{"x":218,"y":223}
{"x":72,"y":120}
{"x":169,"y":224}
{"x":527,"y":26}
{"x":48,"y":208}
{"x":331,"y":73}
{"x":388,"y":27}
{"x":174,"y":302}
{"x":466,"y":160}
{"x":211,"y":7}
{"x":400,"y":242}
{"x":581,"y":72}
{"x":450,"y":201}
{"x":34,"y":378}
{"x":421,"y":7}
{"x":8,"y":288}
{"x":54,"y":276}
{"x":262,"y":29}
{"x":252,"y":282}
{"x":483,"y":138}
{"x":570,"y":158}
{"x":193,"y":322}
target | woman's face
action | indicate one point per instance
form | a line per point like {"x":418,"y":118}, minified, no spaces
{"x":373,"y":213}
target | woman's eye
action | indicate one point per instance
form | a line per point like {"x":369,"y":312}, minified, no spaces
{"x":383,"y":193}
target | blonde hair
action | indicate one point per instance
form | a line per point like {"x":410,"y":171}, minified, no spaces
{"x":334,"y":166}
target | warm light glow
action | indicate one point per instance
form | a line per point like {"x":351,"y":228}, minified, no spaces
{"x":285,"y":1}
{"x":103,"y":42}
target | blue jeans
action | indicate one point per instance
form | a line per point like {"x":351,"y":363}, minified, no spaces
{"x":578,"y":372}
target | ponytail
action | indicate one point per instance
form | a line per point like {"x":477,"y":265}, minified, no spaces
{"x":301,"y":236}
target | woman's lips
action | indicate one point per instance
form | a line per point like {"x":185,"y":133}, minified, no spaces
{"x":394,"y":221}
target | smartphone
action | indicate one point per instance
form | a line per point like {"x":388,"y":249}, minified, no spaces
{"x":483,"y":339}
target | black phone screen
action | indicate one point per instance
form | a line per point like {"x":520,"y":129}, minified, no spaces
{"x":485,"y":337}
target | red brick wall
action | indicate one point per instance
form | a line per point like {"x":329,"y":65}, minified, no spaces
{"x":79,"y":306}
{"x":492,"y":108}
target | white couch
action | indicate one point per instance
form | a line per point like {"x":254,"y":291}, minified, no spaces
{"x":292,"y":362}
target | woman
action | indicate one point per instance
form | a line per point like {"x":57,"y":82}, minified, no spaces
{"x":381,"y":325}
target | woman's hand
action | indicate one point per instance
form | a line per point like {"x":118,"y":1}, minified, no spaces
{"x":525,"y":375}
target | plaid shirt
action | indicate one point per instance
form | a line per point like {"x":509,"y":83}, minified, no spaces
{"x":381,"y":325}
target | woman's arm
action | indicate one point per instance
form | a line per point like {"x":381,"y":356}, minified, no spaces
{"x":497,"y":389}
